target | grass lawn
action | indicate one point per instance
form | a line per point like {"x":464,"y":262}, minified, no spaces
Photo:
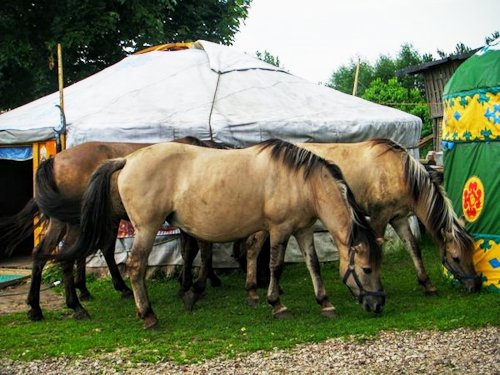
{"x":222,"y":323}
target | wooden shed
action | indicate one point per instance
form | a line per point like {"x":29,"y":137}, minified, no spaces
{"x":436,"y":75}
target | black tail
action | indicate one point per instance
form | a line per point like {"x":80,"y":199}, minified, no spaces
{"x":14,"y":229}
{"x":97,"y":217}
{"x":50,"y":201}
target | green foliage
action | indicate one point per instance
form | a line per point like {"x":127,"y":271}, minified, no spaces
{"x":379,"y":84}
{"x":494,"y":35}
{"x":343,"y":78}
{"x":222,"y":324}
{"x":393,"y":94}
{"x":269,"y":58}
{"x":95,"y":34}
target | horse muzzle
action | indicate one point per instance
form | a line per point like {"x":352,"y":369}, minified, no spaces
{"x":373,"y":302}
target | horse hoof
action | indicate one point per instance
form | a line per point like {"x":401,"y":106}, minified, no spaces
{"x":127,"y":294}
{"x":329,"y":313}
{"x":254,"y":302}
{"x":190,"y":299}
{"x":35,"y":315}
{"x":81,"y":314}
{"x":150,"y":322}
{"x":282,"y":314}
{"x":215,"y":282}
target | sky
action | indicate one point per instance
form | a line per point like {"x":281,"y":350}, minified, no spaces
{"x":313,"y":38}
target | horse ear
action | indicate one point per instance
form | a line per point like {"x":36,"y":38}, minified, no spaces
{"x":447,"y":236}
{"x":461,"y":221}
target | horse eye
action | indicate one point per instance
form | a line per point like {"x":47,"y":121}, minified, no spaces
{"x":367,"y":270}
{"x":456,"y":259}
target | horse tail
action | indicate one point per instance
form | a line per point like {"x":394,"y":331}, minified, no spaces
{"x":14,"y":229}
{"x":431,"y":203}
{"x":97,"y":215}
{"x":50,"y":200}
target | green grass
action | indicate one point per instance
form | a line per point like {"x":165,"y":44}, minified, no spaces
{"x":222,"y":323}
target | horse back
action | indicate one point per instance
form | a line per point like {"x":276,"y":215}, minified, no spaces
{"x":197,"y":187}
{"x":374,"y":170}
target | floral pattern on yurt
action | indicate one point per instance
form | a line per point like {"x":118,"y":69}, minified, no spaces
{"x":471,"y":135}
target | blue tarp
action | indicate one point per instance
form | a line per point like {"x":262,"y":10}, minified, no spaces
{"x":20,"y":153}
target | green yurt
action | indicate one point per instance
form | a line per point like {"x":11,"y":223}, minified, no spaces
{"x":471,"y":146}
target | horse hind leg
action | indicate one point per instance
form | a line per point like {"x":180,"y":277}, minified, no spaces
{"x":305,"y":239}
{"x":72,"y":300}
{"x":53,"y":235}
{"x":116,"y":276}
{"x":402,"y":228}
{"x":81,"y":280}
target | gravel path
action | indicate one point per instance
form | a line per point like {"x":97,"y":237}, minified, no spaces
{"x":461,"y":351}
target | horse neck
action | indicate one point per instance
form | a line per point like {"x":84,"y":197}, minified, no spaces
{"x":431,"y":205}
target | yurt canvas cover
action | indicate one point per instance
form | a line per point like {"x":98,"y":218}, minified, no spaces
{"x":471,"y":135}
{"x":208,"y":91}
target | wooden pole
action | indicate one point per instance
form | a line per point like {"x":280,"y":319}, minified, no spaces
{"x":60,"y":75}
{"x":356,"y":76}
{"x":60,"y":79}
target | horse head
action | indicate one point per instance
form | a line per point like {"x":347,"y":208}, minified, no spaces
{"x":456,"y":251}
{"x":361,"y":274}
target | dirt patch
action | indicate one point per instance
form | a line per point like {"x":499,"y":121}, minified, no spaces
{"x":13,"y":298}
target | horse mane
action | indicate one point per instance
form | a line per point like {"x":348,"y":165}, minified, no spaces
{"x":49,"y":199}
{"x":427,"y":193}
{"x":299,"y":159}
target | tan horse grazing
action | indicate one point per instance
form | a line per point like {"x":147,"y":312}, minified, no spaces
{"x":60,"y":184}
{"x":221,"y":196}
{"x":390,"y":185}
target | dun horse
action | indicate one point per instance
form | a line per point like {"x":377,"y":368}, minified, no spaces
{"x":390,"y":185}
{"x":60,"y":184}
{"x":221,"y":196}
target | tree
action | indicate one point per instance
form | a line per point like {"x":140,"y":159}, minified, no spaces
{"x":393,"y":94}
{"x":494,"y":35}
{"x":343,"y":78}
{"x":95,"y":34}
{"x":268,"y":58}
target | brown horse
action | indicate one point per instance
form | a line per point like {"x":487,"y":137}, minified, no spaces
{"x":60,"y":184}
{"x":390,"y":185}
{"x":201,"y":191}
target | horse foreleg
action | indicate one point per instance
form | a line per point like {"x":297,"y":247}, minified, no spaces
{"x":276,"y":264}
{"x":253,"y":246}
{"x":402,"y":228}
{"x":137,"y":265}
{"x":200,"y":284}
{"x":305,"y":240}
{"x":189,"y":249}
